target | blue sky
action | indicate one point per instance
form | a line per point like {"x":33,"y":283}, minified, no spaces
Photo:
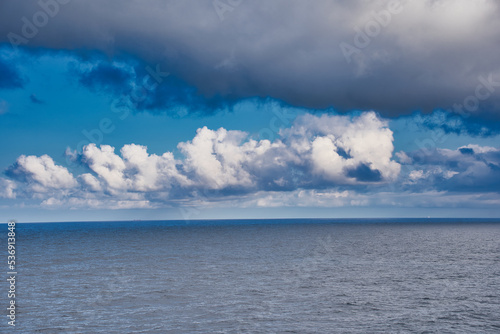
{"x":189,"y":111}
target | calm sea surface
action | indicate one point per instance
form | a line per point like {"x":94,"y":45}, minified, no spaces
{"x":261,"y":276}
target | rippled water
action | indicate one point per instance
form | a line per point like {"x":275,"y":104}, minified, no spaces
{"x":259,"y":277}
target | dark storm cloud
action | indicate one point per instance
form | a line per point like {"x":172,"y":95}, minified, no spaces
{"x":477,"y":124}
{"x":414,"y":55}
{"x":107,"y":77}
{"x":9,"y":77}
{"x":131,"y":78}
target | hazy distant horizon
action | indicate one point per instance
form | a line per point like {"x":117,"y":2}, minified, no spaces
{"x":283,"y":220}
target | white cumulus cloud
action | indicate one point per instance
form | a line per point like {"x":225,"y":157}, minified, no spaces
{"x":134,"y":170}
{"x":315,"y":152}
{"x":42,"y":174}
{"x":345,"y":150}
{"x":7,"y":188}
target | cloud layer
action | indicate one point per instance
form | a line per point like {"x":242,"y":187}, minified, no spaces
{"x":470,"y":168}
{"x":315,"y":152}
{"x":320,"y":160}
{"x":430,"y":54}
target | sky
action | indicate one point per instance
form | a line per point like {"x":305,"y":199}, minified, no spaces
{"x":120,"y":110}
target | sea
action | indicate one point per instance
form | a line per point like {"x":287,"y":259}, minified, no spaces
{"x":257,"y":276}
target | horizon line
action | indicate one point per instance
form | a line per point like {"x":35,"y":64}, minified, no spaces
{"x":250,"y":219}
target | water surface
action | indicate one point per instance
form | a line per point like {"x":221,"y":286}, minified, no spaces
{"x":280,"y":276}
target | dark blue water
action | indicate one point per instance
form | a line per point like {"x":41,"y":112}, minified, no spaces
{"x":300,"y":276}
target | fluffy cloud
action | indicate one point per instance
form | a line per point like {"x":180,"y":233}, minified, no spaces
{"x":135,"y":170}
{"x":345,"y":151}
{"x":41,"y":174}
{"x":332,"y":150}
{"x":316,"y":151}
{"x":430,"y":53}
{"x":7,"y":188}
{"x":318,"y":161}
{"x":216,"y":157}
{"x":225,"y":159}
{"x":229,"y":161}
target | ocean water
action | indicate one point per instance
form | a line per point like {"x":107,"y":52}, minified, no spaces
{"x":262,"y":276}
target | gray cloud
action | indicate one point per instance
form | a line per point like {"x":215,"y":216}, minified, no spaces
{"x":469,"y":168}
{"x":10,"y":78}
{"x":482,"y":125}
{"x":430,"y":55}
{"x":126,"y":77}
